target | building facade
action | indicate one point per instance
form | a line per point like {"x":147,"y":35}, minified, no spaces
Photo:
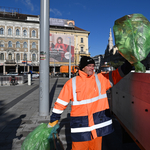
{"x":72,"y":36}
{"x":20,"y":43}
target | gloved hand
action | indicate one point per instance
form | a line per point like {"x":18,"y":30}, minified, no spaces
{"x":126,"y":67}
{"x":53,"y":131}
{"x":52,"y":124}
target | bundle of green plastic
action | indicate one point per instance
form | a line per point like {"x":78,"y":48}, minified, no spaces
{"x":40,"y":138}
{"x":132,"y":37}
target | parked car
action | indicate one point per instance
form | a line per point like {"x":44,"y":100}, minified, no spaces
{"x":12,"y":74}
{"x":35,"y":75}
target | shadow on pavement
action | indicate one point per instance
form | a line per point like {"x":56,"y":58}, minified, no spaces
{"x":10,"y":132}
{"x":66,"y":123}
{"x":51,"y":94}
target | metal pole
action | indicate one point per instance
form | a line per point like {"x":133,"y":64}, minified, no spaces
{"x":44,"y":59}
{"x":54,"y":67}
{"x":24,"y":60}
{"x":17,"y":65}
{"x":69,"y":57}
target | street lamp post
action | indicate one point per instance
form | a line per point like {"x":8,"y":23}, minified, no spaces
{"x":17,"y":64}
{"x":69,"y":57}
{"x":24,"y":60}
{"x":54,"y":66}
{"x":54,"y":63}
{"x":44,"y":59}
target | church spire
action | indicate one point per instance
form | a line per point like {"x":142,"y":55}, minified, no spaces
{"x":110,"y":41}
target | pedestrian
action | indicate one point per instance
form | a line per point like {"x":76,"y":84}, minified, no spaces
{"x":90,"y":116}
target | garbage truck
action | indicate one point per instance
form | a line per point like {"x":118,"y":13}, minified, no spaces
{"x":64,"y":70}
{"x":130,"y":104}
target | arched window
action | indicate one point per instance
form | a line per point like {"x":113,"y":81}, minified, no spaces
{"x":9,"y":44}
{"x":33,"y":57}
{"x":25,"y":57}
{"x":33,"y":33}
{"x":1,"y":56}
{"x":17,"y":32}
{"x":17,"y":44}
{"x":33,"y":45}
{"x":9,"y":56}
{"x":1,"y":31}
{"x":1,"y":43}
{"x":25,"y":45}
{"x":82,"y":49}
{"x":9,"y":31}
{"x":17,"y":57}
{"x":24,"y":33}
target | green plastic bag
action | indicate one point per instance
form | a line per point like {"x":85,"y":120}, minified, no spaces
{"x":132,"y":37}
{"x":39,"y":138}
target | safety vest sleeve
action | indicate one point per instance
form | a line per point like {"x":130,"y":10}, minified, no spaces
{"x":62,"y":101}
{"x":109,"y":79}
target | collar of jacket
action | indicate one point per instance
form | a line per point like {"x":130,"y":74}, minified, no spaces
{"x":85,"y":75}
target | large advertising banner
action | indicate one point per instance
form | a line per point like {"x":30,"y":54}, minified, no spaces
{"x":59,"y":47}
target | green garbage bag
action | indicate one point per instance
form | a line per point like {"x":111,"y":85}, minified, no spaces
{"x":39,"y":138}
{"x":132,"y":37}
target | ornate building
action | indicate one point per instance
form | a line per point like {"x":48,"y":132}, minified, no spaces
{"x":20,"y":41}
{"x":79,"y":42}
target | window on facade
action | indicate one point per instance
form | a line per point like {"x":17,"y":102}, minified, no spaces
{"x":1,"y":44}
{"x":33,"y":57}
{"x":17,"y":44}
{"x":1,"y":56}
{"x":1,"y":31}
{"x":9,"y":56}
{"x":17,"y":57}
{"x":24,"y":33}
{"x":33,"y":45}
{"x":25,"y":57}
{"x":9,"y":31}
{"x":25,"y":45}
{"x":33,"y":33}
{"x":81,"y":40}
{"x":9,"y":44}
{"x":17,"y":32}
{"x":81,"y":49}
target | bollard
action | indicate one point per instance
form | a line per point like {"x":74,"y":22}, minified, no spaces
{"x":29,"y":79}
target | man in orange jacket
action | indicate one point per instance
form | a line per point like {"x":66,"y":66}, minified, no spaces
{"x":90,"y":116}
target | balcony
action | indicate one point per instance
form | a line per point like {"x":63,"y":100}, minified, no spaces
{"x":12,"y":61}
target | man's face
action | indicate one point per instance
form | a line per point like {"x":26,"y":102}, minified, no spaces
{"x":89,"y":69}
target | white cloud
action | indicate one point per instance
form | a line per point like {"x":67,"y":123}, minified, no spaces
{"x":80,"y":5}
{"x":28,"y":4}
{"x":56,"y":12}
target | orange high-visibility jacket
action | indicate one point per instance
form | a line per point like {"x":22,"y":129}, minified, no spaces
{"x":89,"y":104}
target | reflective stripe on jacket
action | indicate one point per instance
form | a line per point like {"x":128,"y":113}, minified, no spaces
{"x":89,"y":104}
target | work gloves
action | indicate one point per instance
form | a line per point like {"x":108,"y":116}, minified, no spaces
{"x":52,"y":124}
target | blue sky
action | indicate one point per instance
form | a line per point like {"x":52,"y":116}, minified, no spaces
{"x":96,"y":16}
